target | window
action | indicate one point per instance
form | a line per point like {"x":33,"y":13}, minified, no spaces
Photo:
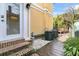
{"x":13,"y":18}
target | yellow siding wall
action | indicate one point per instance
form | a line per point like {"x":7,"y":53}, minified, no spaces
{"x":48,"y":22}
{"x":37,"y":25}
{"x":39,"y":20}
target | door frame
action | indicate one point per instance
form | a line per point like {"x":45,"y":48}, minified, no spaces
{"x":2,"y":23}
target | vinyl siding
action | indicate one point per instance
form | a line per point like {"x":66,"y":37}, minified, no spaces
{"x":41,"y":21}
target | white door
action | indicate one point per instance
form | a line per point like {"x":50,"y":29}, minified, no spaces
{"x":11,"y":21}
{"x":2,"y":21}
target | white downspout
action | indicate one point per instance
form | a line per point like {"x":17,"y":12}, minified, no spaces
{"x":27,"y":34}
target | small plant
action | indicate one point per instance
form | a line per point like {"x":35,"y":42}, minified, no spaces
{"x":71,"y":47}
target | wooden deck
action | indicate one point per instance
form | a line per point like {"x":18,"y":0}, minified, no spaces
{"x":55,"y":48}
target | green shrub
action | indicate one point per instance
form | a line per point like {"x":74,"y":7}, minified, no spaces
{"x":71,"y":47}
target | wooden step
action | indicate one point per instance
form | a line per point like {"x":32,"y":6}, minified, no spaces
{"x":22,"y":52}
{"x":9,"y":48}
{"x":7,"y":43}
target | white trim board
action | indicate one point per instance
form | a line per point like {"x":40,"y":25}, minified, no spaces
{"x":26,"y":23}
{"x":39,"y":8}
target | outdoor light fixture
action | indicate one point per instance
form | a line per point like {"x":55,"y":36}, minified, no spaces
{"x":28,"y":5}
